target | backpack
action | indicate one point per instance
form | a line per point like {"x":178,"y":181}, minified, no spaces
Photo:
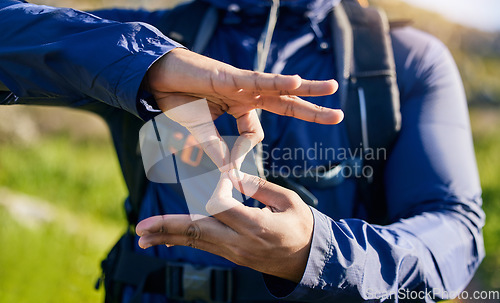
{"x":369,"y":97}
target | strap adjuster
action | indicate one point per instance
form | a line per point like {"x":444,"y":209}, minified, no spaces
{"x":187,"y":282}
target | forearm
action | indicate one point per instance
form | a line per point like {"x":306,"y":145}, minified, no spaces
{"x":49,"y":54}
{"x":353,"y":260}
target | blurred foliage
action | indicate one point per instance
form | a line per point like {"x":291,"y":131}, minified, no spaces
{"x":486,"y":134}
{"x":476,"y":52}
{"x":54,"y":237}
{"x":53,"y":262}
{"x":76,"y":175}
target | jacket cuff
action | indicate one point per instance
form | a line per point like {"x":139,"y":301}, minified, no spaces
{"x":129,"y":94}
{"x":319,"y":254}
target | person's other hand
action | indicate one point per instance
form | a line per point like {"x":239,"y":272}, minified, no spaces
{"x":275,"y":239}
{"x":182,"y":76}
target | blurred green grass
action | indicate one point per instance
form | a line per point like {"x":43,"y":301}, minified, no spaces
{"x":78,"y":175}
{"x":486,"y":134}
{"x":50,"y":264}
{"x":57,"y":260}
{"x":53,"y":255}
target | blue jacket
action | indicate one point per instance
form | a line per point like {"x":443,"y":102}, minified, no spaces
{"x":433,"y":240}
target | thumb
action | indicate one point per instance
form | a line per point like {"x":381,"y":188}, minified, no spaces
{"x":268,"y":193}
{"x":222,"y":198}
{"x":228,"y":210}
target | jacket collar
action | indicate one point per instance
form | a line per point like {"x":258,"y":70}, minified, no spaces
{"x":315,"y":10}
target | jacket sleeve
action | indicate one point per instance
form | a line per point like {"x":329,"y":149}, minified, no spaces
{"x":61,"y":56}
{"x":434,"y":245}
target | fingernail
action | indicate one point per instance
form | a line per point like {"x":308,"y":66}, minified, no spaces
{"x":143,"y":245}
{"x":236,"y":174}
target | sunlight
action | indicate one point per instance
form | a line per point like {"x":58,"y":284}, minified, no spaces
{"x":482,"y":14}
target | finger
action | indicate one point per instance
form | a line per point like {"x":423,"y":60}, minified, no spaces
{"x":159,"y":229}
{"x":313,"y":88}
{"x":216,"y":150}
{"x":270,"y":194}
{"x":251,"y":133}
{"x":195,"y":116}
{"x":228,"y":210}
{"x":263,"y":82}
{"x":307,"y":88}
{"x":293,"y":106}
{"x":222,"y":197}
{"x":175,"y":240}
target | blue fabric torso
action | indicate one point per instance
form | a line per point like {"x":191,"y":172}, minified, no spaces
{"x":290,"y":145}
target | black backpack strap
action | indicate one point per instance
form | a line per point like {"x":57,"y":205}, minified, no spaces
{"x":369,"y":94}
{"x":191,"y":24}
{"x":125,"y":129}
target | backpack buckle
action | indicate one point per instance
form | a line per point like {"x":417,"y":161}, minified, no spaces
{"x":187,"y":282}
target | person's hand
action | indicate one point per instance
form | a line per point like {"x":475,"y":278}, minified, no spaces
{"x":275,"y":239}
{"x":182,"y":76}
